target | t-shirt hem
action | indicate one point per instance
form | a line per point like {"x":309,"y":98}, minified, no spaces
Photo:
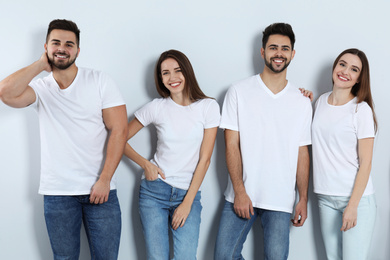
{"x":113,"y":105}
{"x":67,"y":193}
{"x":341,"y":194}
{"x":263,"y":206}
{"x":229,"y":127}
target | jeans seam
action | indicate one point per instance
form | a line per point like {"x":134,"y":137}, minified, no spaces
{"x":87,"y":230}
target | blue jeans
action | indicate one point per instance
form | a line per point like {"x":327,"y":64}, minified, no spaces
{"x":157,"y":203}
{"x":102,"y":222}
{"x":353,"y":244}
{"x":233,"y":231}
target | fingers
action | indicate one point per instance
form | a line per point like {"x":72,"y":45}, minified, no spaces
{"x":161,"y":173}
{"x":178,"y":220}
{"x":347,"y":225}
{"x":244,"y":212}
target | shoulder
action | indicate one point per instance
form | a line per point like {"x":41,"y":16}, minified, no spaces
{"x":363,"y":108}
{"x":247,"y":82}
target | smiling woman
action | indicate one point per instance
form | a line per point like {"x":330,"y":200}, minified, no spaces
{"x":186,"y":121}
{"x":344,"y":127}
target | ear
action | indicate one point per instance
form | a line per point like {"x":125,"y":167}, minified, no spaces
{"x":262,"y":52}
{"x":292,"y":54}
{"x":45,"y":46}
{"x":78,"y":52}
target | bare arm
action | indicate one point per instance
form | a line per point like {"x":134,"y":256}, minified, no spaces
{"x":151,"y":171}
{"x":115,"y":119}
{"x":303,"y":169}
{"x":365,"y":150}
{"x":14,"y":89}
{"x":242,"y":203}
{"x":181,"y":213}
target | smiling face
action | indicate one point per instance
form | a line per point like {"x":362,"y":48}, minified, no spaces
{"x":278,"y":53}
{"x":172,"y":76}
{"x":62,"y":49}
{"x":347,"y":71}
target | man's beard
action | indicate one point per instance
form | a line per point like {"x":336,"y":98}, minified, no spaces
{"x":269,"y":64}
{"x":61,"y":65}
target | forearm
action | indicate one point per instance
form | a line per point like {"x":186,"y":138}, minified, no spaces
{"x":303,"y":172}
{"x":360,"y":184}
{"x":14,"y":85}
{"x":115,"y":147}
{"x":197,"y":180}
{"x":134,"y":156}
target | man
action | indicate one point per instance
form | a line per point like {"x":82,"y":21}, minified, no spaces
{"x":78,"y":109}
{"x":267,"y":129}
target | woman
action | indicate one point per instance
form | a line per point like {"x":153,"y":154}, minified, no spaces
{"x":343,"y":130}
{"x":186,"y":121}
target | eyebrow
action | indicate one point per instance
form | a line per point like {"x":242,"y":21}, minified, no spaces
{"x":174,"y":69}
{"x":55,"y":40}
{"x":283,"y":46}
{"x":351,"y":65}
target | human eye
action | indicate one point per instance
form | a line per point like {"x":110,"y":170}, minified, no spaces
{"x":164,"y":73}
{"x":342,"y":64}
{"x":354,"y":70}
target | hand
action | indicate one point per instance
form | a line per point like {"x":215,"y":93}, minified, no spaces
{"x":99,"y":192}
{"x":307,"y":93}
{"x":349,"y":218}
{"x":243,"y":206}
{"x":152,"y":172}
{"x":45,"y":62}
{"x":300,"y":215}
{"x":180,"y":215}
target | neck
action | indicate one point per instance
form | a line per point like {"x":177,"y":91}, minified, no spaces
{"x":276,"y":82}
{"x":180,"y":99}
{"x":64,"y":78}
{"x":340,"y":97}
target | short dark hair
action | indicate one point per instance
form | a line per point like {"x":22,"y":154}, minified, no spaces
{"x":191,"y":87}
{"x":279,"y":28}
{"x":67,"y":25}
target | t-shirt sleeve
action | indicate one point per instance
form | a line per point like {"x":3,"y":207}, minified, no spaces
{"x":111,"y":96}
{"x":306,"y":130}
{"x":35,"y":84}
{"x":364,"y":122}
{"x":229,"y":119}
{"x":213,"y":115}
{"x":147,"y":114}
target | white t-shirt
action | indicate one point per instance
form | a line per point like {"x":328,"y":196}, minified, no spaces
{"x":180,"y":132}
{"x":336,"y":130}
{"x":73,"y":133}
{"x":272,"y":128}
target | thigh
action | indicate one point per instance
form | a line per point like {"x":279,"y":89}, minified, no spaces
{"x":356,"y":241}
{"x":276,"y":227}
{"x":63,"y":216}
{"x":331,"y":220}
{"x":154,"y":213}
{"x":185,"y":239}
{"x":232,"y":234}
{"x":103,"y":227}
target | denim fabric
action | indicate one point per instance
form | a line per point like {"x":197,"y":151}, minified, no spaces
{"x":233,"y":231}
{"x":102,"y":222}
{"x":353,"y":244}
{"x":157,"y":203}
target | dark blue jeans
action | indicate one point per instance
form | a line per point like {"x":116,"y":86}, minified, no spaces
{"x":102,"y":222}
{"x":233,"y":231}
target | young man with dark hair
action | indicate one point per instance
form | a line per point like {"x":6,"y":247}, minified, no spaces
{"x":267,"y":129}
{"x":78,"y":110}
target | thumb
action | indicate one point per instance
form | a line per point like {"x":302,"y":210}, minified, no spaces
{"x":161,"y":173}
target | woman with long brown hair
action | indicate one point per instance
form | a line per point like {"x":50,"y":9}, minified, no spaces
{"x":343,"y":129}
{"x":186,"y":121}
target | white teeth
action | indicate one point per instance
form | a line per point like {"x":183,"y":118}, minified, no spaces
{"x":175,"y":84}
{"x":62,"y":57}
{"x":341,"y":77}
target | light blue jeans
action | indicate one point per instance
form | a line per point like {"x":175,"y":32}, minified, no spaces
{"x":353,"y":244}
{"x":102,"y":222}
{"x":233,"y":231}
{"x":157,"y":203}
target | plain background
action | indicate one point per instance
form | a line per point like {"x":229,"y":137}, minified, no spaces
{"x":222,"y":38}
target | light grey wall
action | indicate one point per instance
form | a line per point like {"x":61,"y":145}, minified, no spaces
{"x":222,"y":39}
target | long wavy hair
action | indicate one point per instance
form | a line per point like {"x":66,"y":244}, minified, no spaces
{"x":362,"y":89}
{"x":191,"y":87}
